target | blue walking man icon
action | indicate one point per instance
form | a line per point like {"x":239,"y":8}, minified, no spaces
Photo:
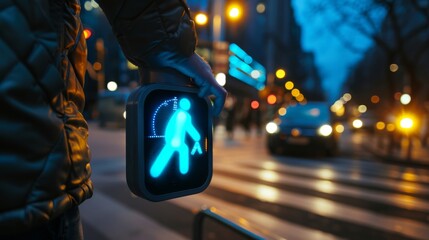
{"x":178,"y":125}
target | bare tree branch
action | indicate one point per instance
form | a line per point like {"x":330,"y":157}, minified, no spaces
{"x":424,"y":10}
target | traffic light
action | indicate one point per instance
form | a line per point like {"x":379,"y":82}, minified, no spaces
{"x":168,"y":142}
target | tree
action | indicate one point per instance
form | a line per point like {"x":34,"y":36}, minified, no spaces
{"x":400,"y":28}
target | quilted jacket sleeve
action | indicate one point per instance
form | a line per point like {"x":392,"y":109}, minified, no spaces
{"x":152,"y":33}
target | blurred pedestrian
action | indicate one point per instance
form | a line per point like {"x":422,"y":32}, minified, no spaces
{"x":425,"y":125}
{"x":44,"y":155}
{"x":230,"y":110}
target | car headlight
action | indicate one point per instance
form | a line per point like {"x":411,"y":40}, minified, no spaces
{"x":325,"y":130}
{"x":357,"y":123}
{"x":272,"y":127}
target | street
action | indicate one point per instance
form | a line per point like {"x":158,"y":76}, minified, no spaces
{"x":350,"y":196}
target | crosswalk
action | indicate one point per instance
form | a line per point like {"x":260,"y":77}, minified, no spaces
{"x":282,"y":197}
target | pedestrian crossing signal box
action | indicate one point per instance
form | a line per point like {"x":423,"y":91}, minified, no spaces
{"x":168,"y":142}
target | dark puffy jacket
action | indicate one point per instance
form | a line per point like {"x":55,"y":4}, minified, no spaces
{"x":44,"y":157}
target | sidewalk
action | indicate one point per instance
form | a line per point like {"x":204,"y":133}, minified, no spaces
{"x":416,"y":156}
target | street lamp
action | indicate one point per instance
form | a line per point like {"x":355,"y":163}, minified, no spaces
{"x":393,"y":67}
{"x":289,"y":85}
{"x":405,"y":99}
{"x":406,"y":124}
{"x":260,"y":8}
{"x":280,"y":73}
{"x":234,"y":11}
{"x":201,"y":19}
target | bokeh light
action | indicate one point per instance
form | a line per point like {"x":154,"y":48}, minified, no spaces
{"x":271,"y":99}
{"x":260,"y":8}
{"x":375,"y":99}
{"x":289,"y":85}
{"x":280,"y":73}
{"x":201,"y":19}
{"x":282,"y":111}
{"x":295,"y":92}
{"x":221,"y":79}
{"x":362,"y":108}
{"x":254,"y":104}
{"x":405,"y":99}
{"x":394,"y":67}
{"x":112,"y":86}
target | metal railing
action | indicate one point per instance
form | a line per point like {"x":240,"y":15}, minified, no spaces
{"x":215,"y":215}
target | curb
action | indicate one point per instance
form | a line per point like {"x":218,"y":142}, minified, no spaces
{"x":397,"y":161}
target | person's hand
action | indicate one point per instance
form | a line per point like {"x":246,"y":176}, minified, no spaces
{"x":197,"y":69}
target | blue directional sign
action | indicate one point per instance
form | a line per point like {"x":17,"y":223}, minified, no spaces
{"x":169,"y":142}
{"x":243,"y":67}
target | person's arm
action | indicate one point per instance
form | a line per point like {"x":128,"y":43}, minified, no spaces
{"x":158,"y":34}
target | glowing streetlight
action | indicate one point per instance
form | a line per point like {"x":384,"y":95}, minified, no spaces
{"x":254,"y":104}
{"x":362,"y":108}
{"x":406,"y":123}
{"x":280,"y":73}
{"x":375,"y":99}
{"x":112,"y":86}
{"x":347,"y":97}
{"x":260,"y":8}
{"x":295,"y":92}
{"x":221,"y":79}
{"x":357,"y":123}
{"x":380,"y":125}
{"x":282,"y":111}
{"x":201,"y":19}
{"x":393,"y":67}
{"x":289,"y":85}
{"x":234,"y":11}
{"x":405,"y":99}
{"x":271,"y":99}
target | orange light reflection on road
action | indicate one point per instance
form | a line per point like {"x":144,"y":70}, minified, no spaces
{"x":322,"y":206}
{"x":269,"y":165}
{"x":408,"y":187}
{"x":406,"y":201}
{"x":325,"y":186}
{"x":327,"y":174}
{"x":409,"y":176}
{"x":268,"y":194}
{"x":269,"y":176}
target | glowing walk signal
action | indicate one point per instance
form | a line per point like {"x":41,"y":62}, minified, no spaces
{"x":179,"y":124}
{"x":168,"y":142}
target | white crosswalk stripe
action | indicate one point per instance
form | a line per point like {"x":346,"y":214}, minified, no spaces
{"x":324,"y":207}
{"x":327,"y":186}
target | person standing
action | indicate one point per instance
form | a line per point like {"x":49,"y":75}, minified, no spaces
{"x":44,"y":156}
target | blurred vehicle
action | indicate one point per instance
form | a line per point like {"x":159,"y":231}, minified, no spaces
{"x":364,"y":122}
{"x":111,"y":107}
{"x":308,"y":126}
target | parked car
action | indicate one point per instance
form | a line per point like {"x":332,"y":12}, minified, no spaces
{"x":309,"y":127}
{"x":111,"y":107}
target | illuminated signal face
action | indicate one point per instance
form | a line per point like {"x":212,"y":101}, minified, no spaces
{"x":179,"y":125}
{"x":176,"y":144}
